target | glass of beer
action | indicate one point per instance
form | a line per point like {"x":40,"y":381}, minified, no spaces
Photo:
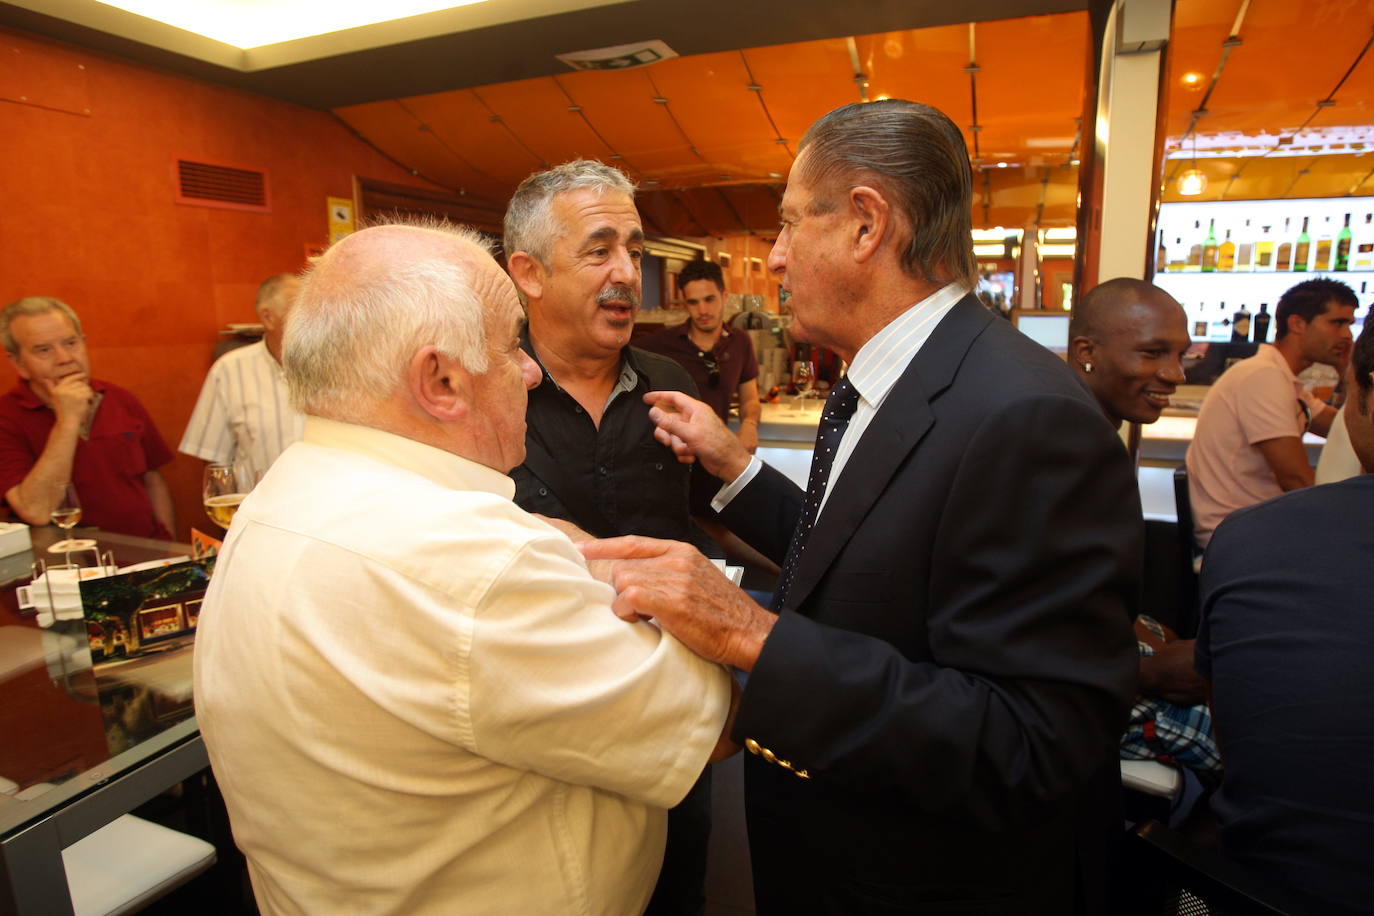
{"x":223,"y":490}
{"x":66,"y":512}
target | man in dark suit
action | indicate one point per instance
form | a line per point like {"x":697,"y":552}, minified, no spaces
{"x":934,"y":708}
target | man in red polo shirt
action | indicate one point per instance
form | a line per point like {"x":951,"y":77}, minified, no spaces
{"x":58,"y":425}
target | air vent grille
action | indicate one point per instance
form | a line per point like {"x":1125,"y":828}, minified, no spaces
{"x":210,"y":185}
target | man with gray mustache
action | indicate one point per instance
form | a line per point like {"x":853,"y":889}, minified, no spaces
{"x":574,"y":246}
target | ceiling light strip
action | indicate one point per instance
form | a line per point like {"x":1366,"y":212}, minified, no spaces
{"x":424,"y":126}
{"x":729,"y":205}
{"x":860,"y":78}
{"x":581,"y":112}
{"x":1231,"y":42}
{"x":1323,"y":103}
{"x":662,"y":99}
{"x":757,"y":89}
{"x":972,"y":70}
{"x":497,"y":119}
{"x":680,"y":199}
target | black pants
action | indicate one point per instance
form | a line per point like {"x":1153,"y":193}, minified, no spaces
{"x":681,"y":888}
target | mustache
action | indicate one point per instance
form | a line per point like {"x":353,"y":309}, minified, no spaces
{"x":618,"y":292}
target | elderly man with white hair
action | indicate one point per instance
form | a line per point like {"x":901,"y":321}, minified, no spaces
{"x":415,"y":696}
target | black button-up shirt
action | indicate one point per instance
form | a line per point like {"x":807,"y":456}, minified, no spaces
{"x":615,"y":479}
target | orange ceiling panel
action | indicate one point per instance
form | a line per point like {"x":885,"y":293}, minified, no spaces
{"x":711,"y":137}
{"x":924,"y":65}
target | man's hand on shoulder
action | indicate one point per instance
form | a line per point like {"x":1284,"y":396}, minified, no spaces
{"x":601,"y":570}
{"x":694,"y":433}
{"x":689,"y":597}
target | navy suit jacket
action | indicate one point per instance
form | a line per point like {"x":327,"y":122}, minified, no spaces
{"x":954,"y":662}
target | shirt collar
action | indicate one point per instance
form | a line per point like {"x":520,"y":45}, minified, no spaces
{"x":628,"y":380}
{"x":1271,"y":353}
{"x":446,"y":469}
{"x":883,"y":359}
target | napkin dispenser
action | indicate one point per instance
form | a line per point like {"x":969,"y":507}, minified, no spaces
{"x":14,"y":538}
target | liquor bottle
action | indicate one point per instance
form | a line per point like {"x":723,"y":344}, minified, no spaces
{"x":1176,"y":254}
{"x":1209,"y":248}
{"x":1240,"y":324}
{"x":1220,"y":327}
{"x":1245,"y":252}
{"x":1343,"y":246}
{"x":1301,"y":255}
{"x":1161,"y":255}
{"x":1264,"y":251}
{"x":1195,"y":251}
{"x":1364,"y":246}
{"x":1261,"y":326}
{"x":1226,"y":254}
{"x":1324,"y":248}
{"x":1284,"y":259}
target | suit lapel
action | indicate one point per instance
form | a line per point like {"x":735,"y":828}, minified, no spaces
{"x":898,"y":427}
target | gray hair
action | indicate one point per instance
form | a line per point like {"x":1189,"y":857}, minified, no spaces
{"x":917,"y":155}
{"x":347,"y":344}
{"x":529,"y":218}
{"x":270,"y":296}
{"x":28,"y":307}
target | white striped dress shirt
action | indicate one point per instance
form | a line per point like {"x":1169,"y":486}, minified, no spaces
{"x":244,"y":413}
{"x":876,"y":368}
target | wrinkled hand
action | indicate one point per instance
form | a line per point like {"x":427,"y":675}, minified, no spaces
{"x":688,"y":596}
{"x":601,"y":570}
{"x":70,"y":396}
{"x":694,"y":432}
{"x":1169,"y":674}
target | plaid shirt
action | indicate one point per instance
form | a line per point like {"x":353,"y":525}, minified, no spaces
{"x":1164,"y":731}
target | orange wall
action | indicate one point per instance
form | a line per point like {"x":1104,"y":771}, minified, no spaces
{"x":87,"y":214}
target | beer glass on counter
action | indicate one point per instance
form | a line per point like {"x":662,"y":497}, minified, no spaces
{"x":224,"y":488}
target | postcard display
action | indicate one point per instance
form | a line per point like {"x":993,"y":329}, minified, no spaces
{"x":1226,"y":262}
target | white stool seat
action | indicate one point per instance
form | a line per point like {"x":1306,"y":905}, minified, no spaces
{"x":129,"y":863}
{"x":1151,"y":777}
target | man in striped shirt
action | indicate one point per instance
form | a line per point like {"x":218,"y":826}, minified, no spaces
{"x":244,"y":414}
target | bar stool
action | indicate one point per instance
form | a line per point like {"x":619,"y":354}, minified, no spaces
{"x":129,"y":863}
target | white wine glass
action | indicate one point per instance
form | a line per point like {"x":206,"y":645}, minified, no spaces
{"x":222,"y":491}
{"x":66,"y":513}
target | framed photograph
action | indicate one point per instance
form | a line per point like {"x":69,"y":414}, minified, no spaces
{"x":756,"y":265}
{"x":723,"y":260}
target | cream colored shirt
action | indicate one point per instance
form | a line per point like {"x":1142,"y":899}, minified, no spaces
{"x":1255,"y":400}
{"x":416,"y":699}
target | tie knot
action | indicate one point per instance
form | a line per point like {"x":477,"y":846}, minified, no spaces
{"x":843,"y":400}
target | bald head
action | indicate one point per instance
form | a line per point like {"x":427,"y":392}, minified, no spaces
{"x":375,"y":299}
{"x":1126,"y":340}
{"x":1105,"y":305}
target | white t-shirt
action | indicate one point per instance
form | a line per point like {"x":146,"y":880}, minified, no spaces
{"x":417,"y":700}
{"x":244,"y":412}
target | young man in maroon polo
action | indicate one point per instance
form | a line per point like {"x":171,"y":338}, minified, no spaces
{"x":58,"y":425}
{"x":720,"y":361}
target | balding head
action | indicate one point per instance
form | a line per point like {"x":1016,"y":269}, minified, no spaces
{"x":1106,"y":304}
{"x":1126,"y":340}
{"x":371,"y":302}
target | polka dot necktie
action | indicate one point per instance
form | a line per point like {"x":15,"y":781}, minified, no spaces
{"x":839,"y":407}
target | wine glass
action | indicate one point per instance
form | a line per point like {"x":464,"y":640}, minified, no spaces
{"x":66,"y":512}
{"x":223,"y":489}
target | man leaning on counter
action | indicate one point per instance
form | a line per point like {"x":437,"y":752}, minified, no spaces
{"x":58,"y":425}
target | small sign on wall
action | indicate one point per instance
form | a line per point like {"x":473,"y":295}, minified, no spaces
{"x":340,"y":218}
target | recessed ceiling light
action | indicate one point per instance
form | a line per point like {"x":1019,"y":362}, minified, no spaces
{"x":1192,"y":78}
{"x":252,"y":25}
